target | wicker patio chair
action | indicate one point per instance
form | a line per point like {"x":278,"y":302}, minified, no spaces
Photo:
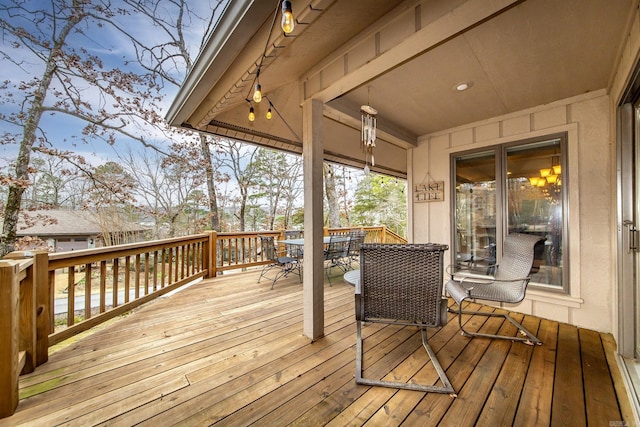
{"x":401,"y":284}
{"x":284,"y":265}
{"x":509,"y":285}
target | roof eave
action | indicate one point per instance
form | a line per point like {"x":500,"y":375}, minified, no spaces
{"x":234,"y":29}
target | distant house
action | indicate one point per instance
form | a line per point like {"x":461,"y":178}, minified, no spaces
{"x":67,"y":230}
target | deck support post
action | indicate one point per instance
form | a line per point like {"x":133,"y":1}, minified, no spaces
{"x":9,"y":319}
{"x":313,"y":283}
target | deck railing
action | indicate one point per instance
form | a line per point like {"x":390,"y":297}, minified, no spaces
{"x":47,"y":298}
{"x":24,"y":330}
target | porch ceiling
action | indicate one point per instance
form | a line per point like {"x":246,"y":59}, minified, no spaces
{"x":402,"y":57}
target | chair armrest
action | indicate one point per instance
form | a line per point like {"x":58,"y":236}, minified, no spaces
{"x":453,"y":269}
{"x":358,"y":302}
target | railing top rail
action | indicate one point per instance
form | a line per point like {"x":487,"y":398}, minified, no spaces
{"x":247,"y":233}
{"x":24,"y":263}
{"x":65,"y":259}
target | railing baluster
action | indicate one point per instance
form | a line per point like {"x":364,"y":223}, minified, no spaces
{"x":155,"y":270}
{"x":171,"y":258}
{"x":163,"y":265}
{"x":182,"y":264}
{"x":114,"y":285}
{"x":71,"y":295}
{"x":87,"y":291}
{"x":103,"y":286}
{"x":52,"y":300}
{"x":127,"y":278}
{"x":137,"y":274}
{"x":146,"y":273}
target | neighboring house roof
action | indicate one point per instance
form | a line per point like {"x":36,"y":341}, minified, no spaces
{"x":61,"y":222}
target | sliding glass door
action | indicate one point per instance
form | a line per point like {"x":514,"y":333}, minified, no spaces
{"x":512,"y":188}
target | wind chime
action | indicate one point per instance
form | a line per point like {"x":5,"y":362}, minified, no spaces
{"x":368,"y":135}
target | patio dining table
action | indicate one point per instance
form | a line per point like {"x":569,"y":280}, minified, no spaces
{"x":352,"y":277}
{"x":326,"y":240}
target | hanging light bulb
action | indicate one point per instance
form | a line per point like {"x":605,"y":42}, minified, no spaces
{"x":269,"y":114}
{"x":252,"y":114}
{"x":257,"y":94}
{"x":288,"y":23}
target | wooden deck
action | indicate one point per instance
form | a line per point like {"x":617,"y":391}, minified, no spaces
{"x":232,"y":352}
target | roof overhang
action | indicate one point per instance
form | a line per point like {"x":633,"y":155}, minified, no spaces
{"x":404,"y":58}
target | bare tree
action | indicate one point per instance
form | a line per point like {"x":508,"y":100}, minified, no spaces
{"x":293,"y":188}
{"x":111,"y":202}
{"x":167,"y":187}
{"x":331,"y":195}
{"x":239,"y":158}
{"x":171,"y":59}
{"x":69,"y":81}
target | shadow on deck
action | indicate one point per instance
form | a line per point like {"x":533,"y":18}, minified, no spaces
{"x":231,"y":351}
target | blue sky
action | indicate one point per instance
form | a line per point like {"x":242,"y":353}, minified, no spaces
{"x":113,"y":48}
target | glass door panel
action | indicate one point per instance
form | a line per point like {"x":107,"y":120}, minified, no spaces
{"x":534,"y":203}
{"x":475,"y":242}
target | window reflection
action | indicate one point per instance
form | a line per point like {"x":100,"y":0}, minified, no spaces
{"x":476,"y":211}
{"x":534,"y":194}
{"x":530,"y":201}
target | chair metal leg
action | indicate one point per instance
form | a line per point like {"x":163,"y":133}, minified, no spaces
{"x":446,"y":388}
{"x":527,"y":338}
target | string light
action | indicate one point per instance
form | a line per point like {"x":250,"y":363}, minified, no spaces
{"x":288,"y":22}
{"x":257,"y":95}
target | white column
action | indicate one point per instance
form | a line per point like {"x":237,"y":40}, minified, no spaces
{"x":313,"y":279}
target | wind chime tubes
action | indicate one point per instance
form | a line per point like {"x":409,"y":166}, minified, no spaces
{"x":368,"y":134}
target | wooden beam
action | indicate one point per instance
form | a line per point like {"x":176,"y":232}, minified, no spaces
{"x":313,"y":283}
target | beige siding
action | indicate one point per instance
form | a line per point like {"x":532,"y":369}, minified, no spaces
{"x":586,"y":119}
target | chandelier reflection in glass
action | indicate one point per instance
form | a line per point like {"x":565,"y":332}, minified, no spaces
{"x":368,"y":135}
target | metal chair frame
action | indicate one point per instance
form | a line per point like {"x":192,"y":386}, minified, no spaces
{"x":294,"y":251}
{"x":401,"y":284}
{"x":507,"y":286}
{"x":285,"y":264}
{"x":356,"y":239}
{"x":334,"y":254}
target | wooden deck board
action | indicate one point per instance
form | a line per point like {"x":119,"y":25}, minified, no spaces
{"x":594,"y":367}
{"x":232,"y":351}
{"x":568,"y":404}
{"x":534,"y":406}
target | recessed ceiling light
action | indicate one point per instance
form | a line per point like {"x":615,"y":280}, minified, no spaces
{"x":462,"y":86}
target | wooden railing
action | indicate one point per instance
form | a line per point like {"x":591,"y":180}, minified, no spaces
{"x":23,"y":327}
{"x":103,"y":283}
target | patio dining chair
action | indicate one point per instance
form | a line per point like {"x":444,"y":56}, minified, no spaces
{"x":295,"y":251}
{"x":508,"y":285}
{"x":335,"y":253}
{"x":356,"y":239}
{"x":283,"y":265}
{"x":401,"y":284}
